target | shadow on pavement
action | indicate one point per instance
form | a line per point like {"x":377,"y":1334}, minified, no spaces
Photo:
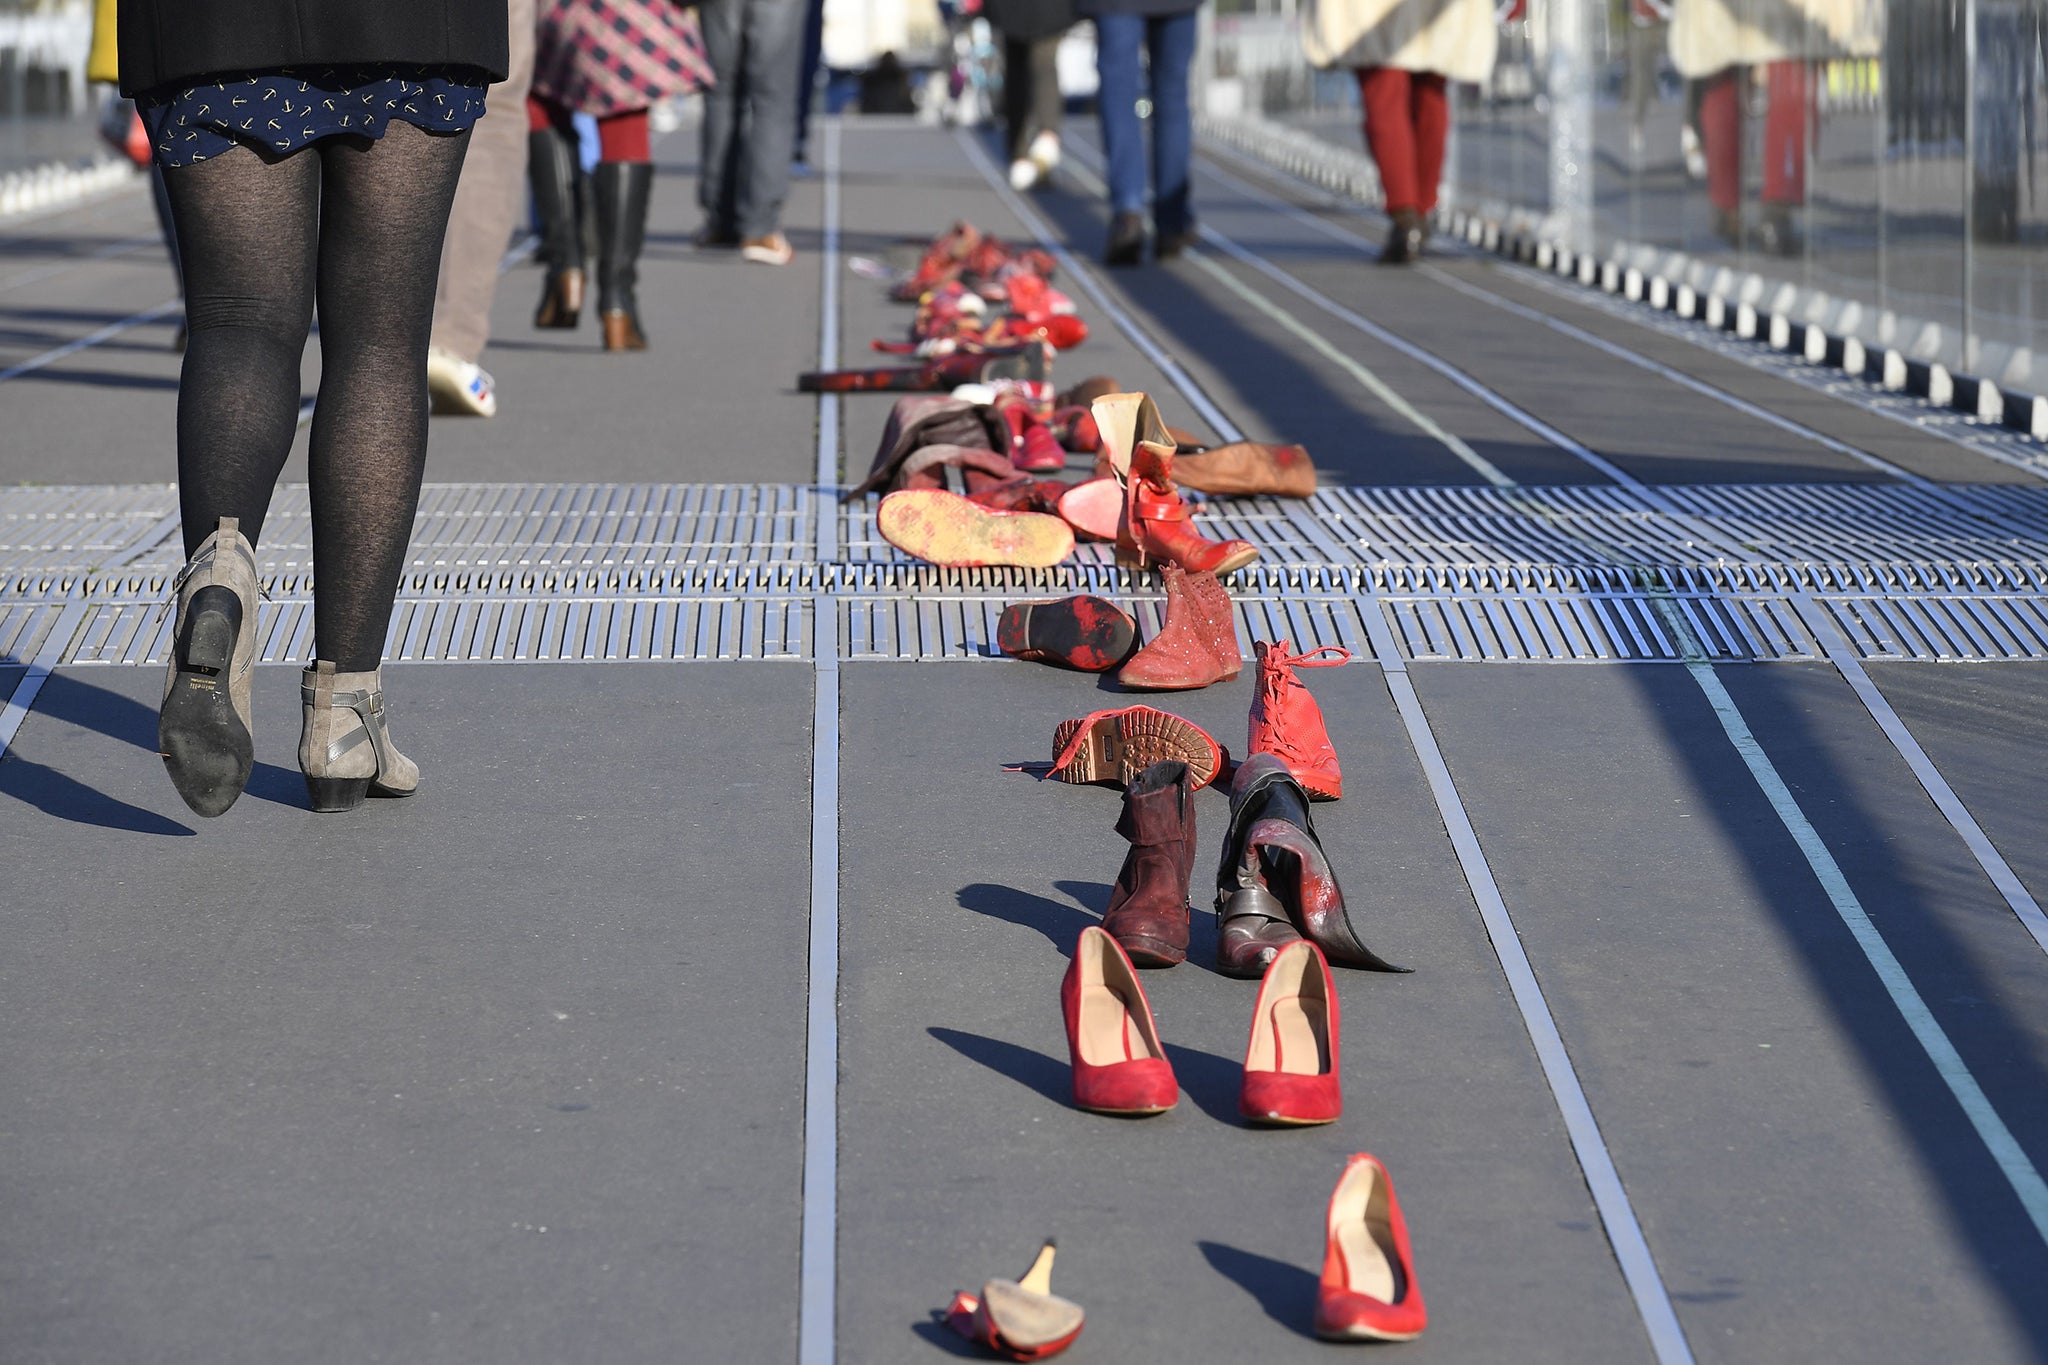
{"x":1032,"y":1070}
{"x":1929,"y":937}
{"x":1286,"y":1292}
{"x":1060,"y":923}
{"x":65,"y":798}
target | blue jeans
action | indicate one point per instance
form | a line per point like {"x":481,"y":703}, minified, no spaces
{"x":1168,"y":41}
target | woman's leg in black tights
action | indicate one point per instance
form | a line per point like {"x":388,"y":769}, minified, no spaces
{"x":246,"y":236}
{"x":384,"y":211}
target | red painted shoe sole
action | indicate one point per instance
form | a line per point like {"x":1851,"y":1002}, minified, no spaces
{"x":1088,"y":633}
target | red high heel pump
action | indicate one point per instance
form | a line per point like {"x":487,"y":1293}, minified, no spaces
{"x":1119,"y":1065}
{"x":1368,"y":1290}
{"x":1291,"y":1061}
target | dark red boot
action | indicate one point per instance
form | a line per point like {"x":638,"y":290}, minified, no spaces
{"x":1148,"y":910}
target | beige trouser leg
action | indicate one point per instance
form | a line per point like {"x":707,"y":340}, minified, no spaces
{"x":488,"y":199}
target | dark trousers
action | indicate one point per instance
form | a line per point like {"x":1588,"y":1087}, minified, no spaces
{"x":756,"y":51}
{"x":1031,"y":90}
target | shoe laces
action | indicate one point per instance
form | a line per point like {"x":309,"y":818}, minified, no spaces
{"x":1276,"y":673}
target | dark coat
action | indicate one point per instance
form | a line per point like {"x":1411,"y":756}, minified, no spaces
{"x":1090,"y":8}
{"x":168,"y":42}
{"x":1030,"y":20}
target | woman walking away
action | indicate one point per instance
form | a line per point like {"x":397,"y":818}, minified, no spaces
{"x":309,"y":152}
{"x":1157,"y":38}
{"x":1032,"y":104}
{"x":611,"y":59}
{"x":1405,"y":52}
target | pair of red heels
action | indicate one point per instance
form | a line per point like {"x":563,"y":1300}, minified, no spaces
{"x":1120,"y":1066}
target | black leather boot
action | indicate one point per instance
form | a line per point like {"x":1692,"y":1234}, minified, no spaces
{"x":551,"y":169}
{"x":1404,"y":238}
{"x":623,"y":188}
{"x":1274,"y":885}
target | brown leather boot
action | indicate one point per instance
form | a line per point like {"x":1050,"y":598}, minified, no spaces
{"x":1197,"y":645}
{"x":1247,"y":469}
{"x":1148,"y":910}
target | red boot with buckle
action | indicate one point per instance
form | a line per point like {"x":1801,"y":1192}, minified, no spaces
{"x":1197,"y":645}
{"x":1154,"y":525}
{"x":1287,"y":723}
{"x":1148,"y":908}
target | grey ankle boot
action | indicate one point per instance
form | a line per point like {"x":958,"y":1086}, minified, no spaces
{"x":203,"y":728}
{"x":345,"y":746}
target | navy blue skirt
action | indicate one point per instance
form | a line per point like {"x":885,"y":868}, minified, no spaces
{"x":281,"y":111}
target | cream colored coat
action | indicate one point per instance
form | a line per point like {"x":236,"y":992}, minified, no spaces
{"x":1712,"y":35}
{"x":1454,"y":38}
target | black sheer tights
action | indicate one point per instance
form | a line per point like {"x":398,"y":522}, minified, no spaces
{"x":356,"y":225}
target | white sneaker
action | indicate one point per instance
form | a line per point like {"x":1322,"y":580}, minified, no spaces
{"x":460,"y":386}
{"x":1044,"y":152}
{"x":774,"y":249}
{"x":1024,"y":174}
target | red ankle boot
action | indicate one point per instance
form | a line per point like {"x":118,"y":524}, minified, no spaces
{"x":1287,"y":723}
{"x":1148,"y":909}
{"x":1154,"y":525}
{"x":1197,"y":645}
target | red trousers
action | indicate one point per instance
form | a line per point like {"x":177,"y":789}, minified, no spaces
{"x":1788,"y":98}
{"x":620,"y":137}
{"x":1407,"y":117}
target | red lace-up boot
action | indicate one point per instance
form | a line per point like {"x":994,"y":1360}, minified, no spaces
{"x":1197,"y":645}
{"x":1154,"y":526}
{"x":1287,"y":723}
{"x":1033,"y":448}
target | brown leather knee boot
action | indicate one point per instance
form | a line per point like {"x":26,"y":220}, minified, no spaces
{"x":1148,"y":910}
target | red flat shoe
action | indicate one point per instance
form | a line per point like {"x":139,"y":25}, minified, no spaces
{"x":1113,"y":747}
{"x":1092,"y":634}
{"x":946,"y":529}
{"x":1020,"y":1319}
{"x":1287,"y":723}
{"x":1368,"y":1291}
{"x":1291,"y":1062}
{"x":1119,"y":1065}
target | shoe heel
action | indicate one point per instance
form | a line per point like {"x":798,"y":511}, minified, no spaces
{"x":212,"y":628}
{"x":337,"y":793}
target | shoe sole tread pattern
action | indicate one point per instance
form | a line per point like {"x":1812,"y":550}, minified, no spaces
{"x":1125,"y":744}
{"x":206,"y":748}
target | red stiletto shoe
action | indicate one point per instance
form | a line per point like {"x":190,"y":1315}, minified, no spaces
{"x":1113,"y":747}
{"x":1119,"y":1065}
{"x":1368,"y":1290}
{"x":1020,"y":1319}
{"x":1291,"y":1062}
{"x":1091,"y":634}
{"x":1287,"y":723}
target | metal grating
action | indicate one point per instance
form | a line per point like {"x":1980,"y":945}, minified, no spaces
{"x":516,"y":572}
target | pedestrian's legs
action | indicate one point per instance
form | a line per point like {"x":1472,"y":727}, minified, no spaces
{"x":1785,"y":133}
{"x":1170,"y":40}
{"x":1020,"y":77}
{"x":1721,"y":138}
{"x":1118,"y":38}
{"x":1430,"y":115}
{"x":721,"y":23}
{"x":773,"y":55}
{"x":1047,"y":105}
{"x":1390,"y":133}
{"x":625,"y":137}
{"x":488,"y":200}
{"x":807,"y":75}
{"x":383,"y":211}
{"x":246,"y":231}
{"x":162,"y":200}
